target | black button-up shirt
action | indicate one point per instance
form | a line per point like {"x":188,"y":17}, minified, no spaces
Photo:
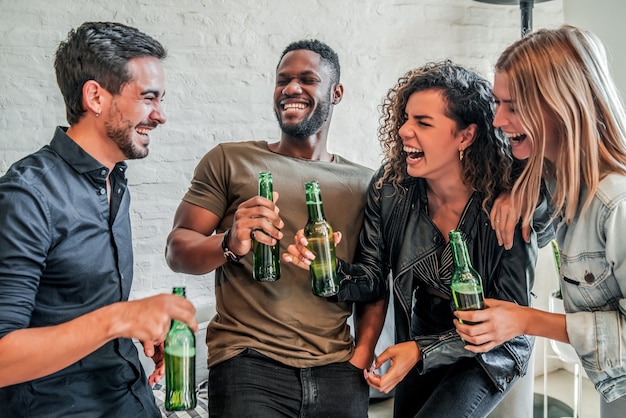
{"x":65,"y":251}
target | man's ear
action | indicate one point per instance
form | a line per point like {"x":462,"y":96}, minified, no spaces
{"x":337,"y":93}
{"x":93,"y":96}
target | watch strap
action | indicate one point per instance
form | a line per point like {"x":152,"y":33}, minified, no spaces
{"x":228,"y":254}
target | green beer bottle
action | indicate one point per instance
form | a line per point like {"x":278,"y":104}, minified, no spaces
{"x":180,"y":365}
{"x":466,"y":284}
{"x":319,"y":234}
{"x":266,"y":257}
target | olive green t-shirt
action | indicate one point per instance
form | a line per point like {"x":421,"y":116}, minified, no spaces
{"x":282,"y":320}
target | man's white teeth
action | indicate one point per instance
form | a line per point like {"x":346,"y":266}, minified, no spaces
{"x":143,"y":131}
{"x":290,"y":106}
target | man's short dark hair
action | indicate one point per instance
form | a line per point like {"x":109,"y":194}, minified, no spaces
{"x":99,"y":51}
{"x":329,"y":56}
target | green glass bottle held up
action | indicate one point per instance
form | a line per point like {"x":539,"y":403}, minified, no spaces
{"x":266,"y":257}
{"x":319,"y":234}
{"x":180,"y":365}
{"x":466,"y":284}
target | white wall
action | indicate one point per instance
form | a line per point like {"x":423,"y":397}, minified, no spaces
{"x":219,"y":81}
{"x":605,"y":18}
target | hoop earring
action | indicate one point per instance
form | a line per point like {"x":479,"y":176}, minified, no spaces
{"x":461,"y":155}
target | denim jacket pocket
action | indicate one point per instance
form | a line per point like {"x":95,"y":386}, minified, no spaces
{"x":588,"y":283}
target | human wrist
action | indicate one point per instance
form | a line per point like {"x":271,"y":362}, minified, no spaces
{"x":227,"y":252}
{"x":526,"y":319}
{"x":362,"y":357}
{"x":111,"y":319}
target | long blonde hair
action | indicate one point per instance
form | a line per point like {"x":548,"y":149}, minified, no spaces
{"x":562,"y":75}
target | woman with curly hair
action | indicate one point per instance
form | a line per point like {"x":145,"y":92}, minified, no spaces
{"x":444,"y":165}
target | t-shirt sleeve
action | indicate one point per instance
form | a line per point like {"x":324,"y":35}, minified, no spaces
{"x":209,"y":188}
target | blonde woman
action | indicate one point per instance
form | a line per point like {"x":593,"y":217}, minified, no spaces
{"x":560,"y":108}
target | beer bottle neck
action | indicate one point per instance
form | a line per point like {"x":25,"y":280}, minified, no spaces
{"x":316,"y":211}
{"x":314,"y":202}
{"x":179,"y":291}
{"x":265,"y":185}
{"x":460,"y":255}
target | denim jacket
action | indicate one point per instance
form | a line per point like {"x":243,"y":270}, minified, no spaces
{"x":397,"y":233}
{"x":593,"y":285}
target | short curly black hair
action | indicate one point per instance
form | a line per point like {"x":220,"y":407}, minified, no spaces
{"x":328,"y":55}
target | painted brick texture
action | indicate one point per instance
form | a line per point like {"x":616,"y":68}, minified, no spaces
{"x":219,"y":82}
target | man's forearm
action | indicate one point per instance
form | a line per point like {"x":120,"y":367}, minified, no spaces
{"x":369,"y":321}
{"x":190,"y":252}
{"x":31,"y":353}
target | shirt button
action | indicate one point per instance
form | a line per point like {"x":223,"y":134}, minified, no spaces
{"x":103,"y":172}
{"x":103,"y":191}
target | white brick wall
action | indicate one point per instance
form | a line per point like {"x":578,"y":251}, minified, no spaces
{"x":219,"y":81}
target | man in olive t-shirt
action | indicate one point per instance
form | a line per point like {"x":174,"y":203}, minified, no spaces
{"x":275,"y":346}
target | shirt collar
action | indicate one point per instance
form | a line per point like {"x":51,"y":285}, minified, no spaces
{"x":77,"y":157}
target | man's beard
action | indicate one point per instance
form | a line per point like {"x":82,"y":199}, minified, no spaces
{"x":309,"y":126}
{"x":121,"y":133}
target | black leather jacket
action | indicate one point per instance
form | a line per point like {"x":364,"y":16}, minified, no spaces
{"x":397,"y":232}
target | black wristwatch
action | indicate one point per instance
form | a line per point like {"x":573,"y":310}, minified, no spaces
{"x":230,"y":256}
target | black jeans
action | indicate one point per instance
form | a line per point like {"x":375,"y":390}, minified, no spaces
{"x":459,"y":390}
{"x":253,"y":385}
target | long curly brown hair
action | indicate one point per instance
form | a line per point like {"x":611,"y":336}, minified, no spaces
{"x":487,"y":163}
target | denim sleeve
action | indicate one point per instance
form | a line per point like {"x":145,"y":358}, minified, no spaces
{"x":602,"y":349}
{"x":24,"y":240}
{"x":366,"y":279}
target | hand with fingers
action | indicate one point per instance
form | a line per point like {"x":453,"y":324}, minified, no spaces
{"x":504,"y":216}
{"x":158,"y":356}
{"x":298,"y":253}
{"x":149,"y":319}
{"x":403,"y":357}
{"x":256,"y":219}
{"x":487,"y":328}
